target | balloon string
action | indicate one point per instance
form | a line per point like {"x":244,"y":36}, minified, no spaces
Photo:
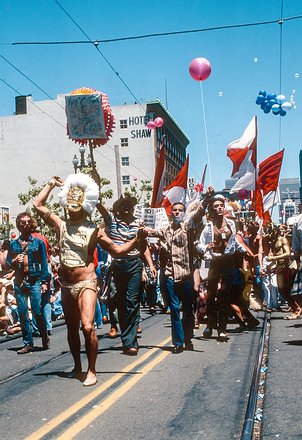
{"x":205,"y":131}
{"x":280,"y":68}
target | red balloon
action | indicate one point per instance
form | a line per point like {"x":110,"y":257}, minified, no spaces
{"x":13,"y":235}
{"x":159,"y":122}
{"x":150,"y":124}
{"x":200,"y":69}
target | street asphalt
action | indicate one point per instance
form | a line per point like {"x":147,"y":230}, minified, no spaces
{"x":199,"y":395}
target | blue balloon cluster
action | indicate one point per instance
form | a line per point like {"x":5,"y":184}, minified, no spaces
{"x":271,"y":102}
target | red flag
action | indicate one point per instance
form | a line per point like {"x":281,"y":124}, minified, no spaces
{"x":176,"y":191}
{"x":242,"y":152}
{"x":269,"y":171}
{"x":266,"y":218}
{"x":158,"y":183}
{"x":267,"y":181}
{"x":258,"y":202}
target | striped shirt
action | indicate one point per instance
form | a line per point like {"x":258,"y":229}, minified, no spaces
{"x":121,"y":232}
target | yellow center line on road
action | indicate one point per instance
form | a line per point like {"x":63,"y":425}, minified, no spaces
{"x":97,"y":391}
{"x":95,"y":412}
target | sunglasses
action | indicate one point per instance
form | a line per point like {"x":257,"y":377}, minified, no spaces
{"x":25,"y":222}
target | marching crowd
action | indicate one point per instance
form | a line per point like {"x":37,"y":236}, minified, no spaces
{"x":209,"y":265}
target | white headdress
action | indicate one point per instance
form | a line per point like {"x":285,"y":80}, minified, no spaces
{"x":89,"y":197}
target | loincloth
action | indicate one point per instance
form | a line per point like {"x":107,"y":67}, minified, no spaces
{"x":76,"y":289}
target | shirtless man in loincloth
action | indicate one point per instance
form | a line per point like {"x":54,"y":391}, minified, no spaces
{"x":77,"y":238}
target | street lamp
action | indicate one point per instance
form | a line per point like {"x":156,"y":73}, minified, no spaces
{"x":75,"y":163}
{"x":82,"y":153}
{"x":79,"y":164}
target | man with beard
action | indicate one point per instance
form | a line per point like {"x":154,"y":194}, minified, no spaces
{"x":27,"y":256}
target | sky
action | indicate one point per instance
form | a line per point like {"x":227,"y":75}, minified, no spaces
{"x":244,"y":60}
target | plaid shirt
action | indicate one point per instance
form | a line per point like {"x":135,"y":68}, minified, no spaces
{"x":176,"y":243}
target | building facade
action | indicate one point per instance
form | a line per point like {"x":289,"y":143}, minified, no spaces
{"x":290,"y":197}
{"x":34,"y":143}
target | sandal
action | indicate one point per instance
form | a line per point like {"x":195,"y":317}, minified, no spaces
{"x":293,"y":316}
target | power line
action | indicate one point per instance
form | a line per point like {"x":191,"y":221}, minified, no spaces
{"x":102,"y":55}
{"x":30,"y":80}
{"x":139,"y":37}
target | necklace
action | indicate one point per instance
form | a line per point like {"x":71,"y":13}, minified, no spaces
{"x":222,"y":231}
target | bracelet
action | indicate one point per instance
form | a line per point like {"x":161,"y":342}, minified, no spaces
{"x":51,"y":183}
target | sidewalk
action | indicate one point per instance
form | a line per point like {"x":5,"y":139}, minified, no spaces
{"x":283,"y":404}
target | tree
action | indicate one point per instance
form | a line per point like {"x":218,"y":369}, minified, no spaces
{"x":27,"y":197}
{"x":142,"y":192}
{"x":5,"y":230}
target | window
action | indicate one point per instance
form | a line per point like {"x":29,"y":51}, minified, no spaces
{"x":123,"y":123}
{"x":124,"y":142}
{"x":125,"y":161}
{"x":126,"y":180}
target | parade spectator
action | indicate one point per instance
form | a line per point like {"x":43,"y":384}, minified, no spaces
{"x":9,"y":324}
{"x":3,"y":255}
{"x":296,"y":291}
{"x":27,"y":256}
{"x":78,"y":237}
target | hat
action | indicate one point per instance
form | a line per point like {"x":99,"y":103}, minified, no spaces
{"x":128,"y":199}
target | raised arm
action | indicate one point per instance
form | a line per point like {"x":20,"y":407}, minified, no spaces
{"x":196,"y":216}
{"x":48,"y":216}
{"x":103,"y":211}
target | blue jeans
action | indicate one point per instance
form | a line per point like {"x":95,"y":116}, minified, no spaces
{"x":46,"y":307}
{"x":182,"y":329}
{"x":56,"y":306}
{"x":127,"y":275}
{"x":30,"y":289}
{"x":98,"y":314}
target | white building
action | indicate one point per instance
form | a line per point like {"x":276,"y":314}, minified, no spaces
{"x":34,"y":142}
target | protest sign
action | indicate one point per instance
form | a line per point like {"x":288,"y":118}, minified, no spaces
{"x":85,"y":116}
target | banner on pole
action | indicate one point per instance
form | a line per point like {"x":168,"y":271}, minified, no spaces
{"x":85,"y":116}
